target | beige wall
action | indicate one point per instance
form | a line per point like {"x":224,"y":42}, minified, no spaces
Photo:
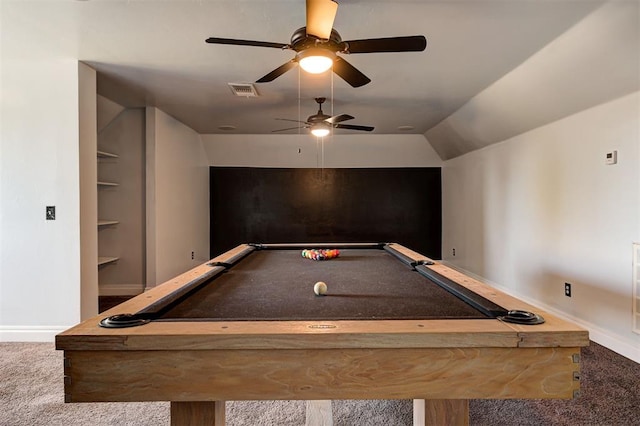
{"x":177,"y":198}
{"x":308,"y":151}
{"x":542,"y":209}
{"x":88,"y":190}
{"x":39,"y":151}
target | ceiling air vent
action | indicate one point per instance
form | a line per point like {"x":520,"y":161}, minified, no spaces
{"x":246,"y":90}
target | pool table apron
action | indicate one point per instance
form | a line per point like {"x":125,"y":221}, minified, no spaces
{"x":445,"y":377}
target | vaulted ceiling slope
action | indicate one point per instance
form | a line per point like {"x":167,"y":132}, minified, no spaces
{"x":595,"y":61}
{"x":491,"y":69}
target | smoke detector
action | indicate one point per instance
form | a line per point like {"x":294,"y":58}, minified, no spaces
{"x":244,"y":90}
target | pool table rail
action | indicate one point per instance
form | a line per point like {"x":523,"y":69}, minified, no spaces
{"x":206,"y":335}
{"x":161,"y":335}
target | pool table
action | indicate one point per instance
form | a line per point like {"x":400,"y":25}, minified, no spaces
{"x":393,"y":324}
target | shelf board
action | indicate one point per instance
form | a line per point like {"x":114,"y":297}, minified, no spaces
{"x":107,"y":222}
{"x":103,"y":154}
{"x":104,"y":260}
{"x":108,"y":184}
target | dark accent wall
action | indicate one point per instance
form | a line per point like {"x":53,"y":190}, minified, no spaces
{"x":277,"y":205}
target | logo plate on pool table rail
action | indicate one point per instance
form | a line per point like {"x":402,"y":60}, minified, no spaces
{"x":322,"y":326}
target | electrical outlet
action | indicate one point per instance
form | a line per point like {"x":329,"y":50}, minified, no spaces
{"x":51,"y":213}
{"x":567,"y":289}
{"x":193,"y":255}
{"x":454,"y":252}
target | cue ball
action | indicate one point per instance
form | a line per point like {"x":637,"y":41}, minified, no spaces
{"x":320,"y":289}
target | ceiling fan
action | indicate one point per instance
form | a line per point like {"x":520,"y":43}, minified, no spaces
{"x":318,"y":43}
{"x":321,"y":123}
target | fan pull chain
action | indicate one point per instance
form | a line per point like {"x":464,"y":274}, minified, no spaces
{"x":332,"y":114}
{"x":299,"y":127}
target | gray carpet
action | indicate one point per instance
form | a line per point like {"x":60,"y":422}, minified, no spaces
{"x":31,"y":393}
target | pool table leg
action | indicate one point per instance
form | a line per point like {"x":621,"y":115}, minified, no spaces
{"x":196,"y":413}
{"x":451,"y":412}
{"x":319,"y":413}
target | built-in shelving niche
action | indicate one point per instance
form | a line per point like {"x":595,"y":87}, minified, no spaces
{"x":104,"y":223}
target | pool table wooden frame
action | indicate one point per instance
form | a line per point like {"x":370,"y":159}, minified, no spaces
{"x":440,"y":364}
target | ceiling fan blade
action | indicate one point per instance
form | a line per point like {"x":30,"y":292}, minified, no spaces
{"x":278,"y":72}
{"x":290,"y":128}
{"x":339,"y":118}
{"x":295,"y":121}
{"x":320,"y":17}
{"x":218,"y":40}
{"x":390,"y":44}
{"x":353,"y":127}
{"x":349,"y":73}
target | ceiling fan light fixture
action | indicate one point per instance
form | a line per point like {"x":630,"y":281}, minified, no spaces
{"x":320,"y":131}
{"x":316,"y":60}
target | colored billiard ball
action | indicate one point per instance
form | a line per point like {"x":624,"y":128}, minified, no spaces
{"x":320,"y":289}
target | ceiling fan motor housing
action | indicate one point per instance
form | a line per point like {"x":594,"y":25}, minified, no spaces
{"x":319,"y":116}
{"x":300,"y":41}
{"x":323,"y":122}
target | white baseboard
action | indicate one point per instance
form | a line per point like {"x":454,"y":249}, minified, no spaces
{"x":42,"y":333}
{"x":603,"y":337}
{"x":24,"y":333}
{"x":611,"y":341}
{"x":120,"y":289}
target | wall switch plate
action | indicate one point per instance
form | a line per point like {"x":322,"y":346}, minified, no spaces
{"x":612,"y":157}
{"x":51,"y":213}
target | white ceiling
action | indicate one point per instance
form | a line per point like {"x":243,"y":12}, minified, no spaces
{"x":153,"y":53}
